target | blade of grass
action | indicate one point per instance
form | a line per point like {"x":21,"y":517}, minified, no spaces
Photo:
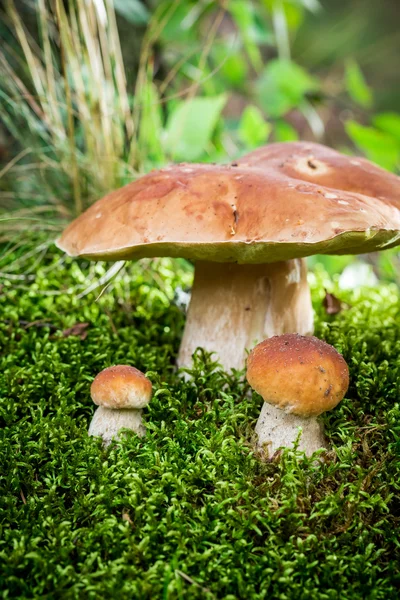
{"x":70,"y":126}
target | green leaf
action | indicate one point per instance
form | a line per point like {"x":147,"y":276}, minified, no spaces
{"x":389,"y":123}
{"x":232,"y":65}
{"x":282,"y":86}
{"x":182,"y":21}
{"x":284,"y":132}
{"x":235,"y":69}
{"x":293,"y":11}
{"x":294,"y":16}
{"x":242,"y":13}
{"x":133,"y":11}
{"x":378,"y":146}
{"x":356,"y":85}
{"x":150,"y":131}
{"x":253,"y":128}
{"x":190,"y":126}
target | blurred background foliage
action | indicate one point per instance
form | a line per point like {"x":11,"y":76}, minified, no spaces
{"x":95,"y":92}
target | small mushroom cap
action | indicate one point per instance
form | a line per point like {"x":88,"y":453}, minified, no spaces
{"x":283,"y":201}
{"x":121,"y":386}
{"x":300,"y":375}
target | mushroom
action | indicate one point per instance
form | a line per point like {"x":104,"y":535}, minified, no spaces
{"x":247,"y":225}
{"x":121,"y":392}
{"x":299,"y":378}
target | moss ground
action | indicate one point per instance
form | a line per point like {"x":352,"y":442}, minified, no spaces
{"x":190,"y":511}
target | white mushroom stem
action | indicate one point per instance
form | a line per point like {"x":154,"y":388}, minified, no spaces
{"x":275,"y":429}
{"x":108,"y":422}
{"x":233,"y":307}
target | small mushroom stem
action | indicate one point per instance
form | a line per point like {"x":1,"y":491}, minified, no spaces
{"x":275,"y":429}
{"x":233,"y":307}
{"x":107,"y":422}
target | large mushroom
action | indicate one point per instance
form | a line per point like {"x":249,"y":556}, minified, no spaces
{"x":299,"y":378}
{"x":247,"y":226}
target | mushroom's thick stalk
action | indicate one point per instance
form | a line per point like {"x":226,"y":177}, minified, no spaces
{"x":108,"y":422}
{"x":233,"y":307}
{"x":275,"y":429}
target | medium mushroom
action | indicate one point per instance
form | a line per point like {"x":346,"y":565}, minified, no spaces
{"x":247,"y":226}
{"x":121,"y":392}
{"x":299,"y":378}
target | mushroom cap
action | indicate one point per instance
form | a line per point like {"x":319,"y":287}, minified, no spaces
{"x":283,"y":201}
{"x":300,"y":375}
{"x":121,"y":386}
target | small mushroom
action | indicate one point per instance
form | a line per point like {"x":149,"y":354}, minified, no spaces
{"x":121,"y":392}
{"x":299,"y":378}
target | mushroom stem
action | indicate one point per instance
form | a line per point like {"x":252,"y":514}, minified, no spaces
{"x":276,"y":428}
{"x":107,"y":422}
{"x":233,"y":307}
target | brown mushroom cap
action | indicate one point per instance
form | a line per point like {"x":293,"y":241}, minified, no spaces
{"x":300,"y":375}
{"x":282,"y":201}
{"x":121,"y":386}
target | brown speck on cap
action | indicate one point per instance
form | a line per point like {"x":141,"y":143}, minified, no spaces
{"x":121,"y":386}
{"x":301,"y":375}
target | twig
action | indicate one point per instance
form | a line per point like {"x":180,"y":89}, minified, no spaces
{"x":12,"y":162}
{"x":193,"y":582}
{"x":104,"y":279}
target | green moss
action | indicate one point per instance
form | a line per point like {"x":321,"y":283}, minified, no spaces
{"x":188,"y":512}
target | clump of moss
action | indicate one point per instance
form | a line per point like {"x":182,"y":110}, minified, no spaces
{"x":189,"y":511}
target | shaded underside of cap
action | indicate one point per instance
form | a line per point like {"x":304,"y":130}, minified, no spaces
{"x":280,"y":202}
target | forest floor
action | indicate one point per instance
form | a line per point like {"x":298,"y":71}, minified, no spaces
{"x":189,"y":511}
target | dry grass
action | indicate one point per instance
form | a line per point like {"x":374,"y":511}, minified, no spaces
{"x":66,"y":102}
{"x":71,"y":94}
